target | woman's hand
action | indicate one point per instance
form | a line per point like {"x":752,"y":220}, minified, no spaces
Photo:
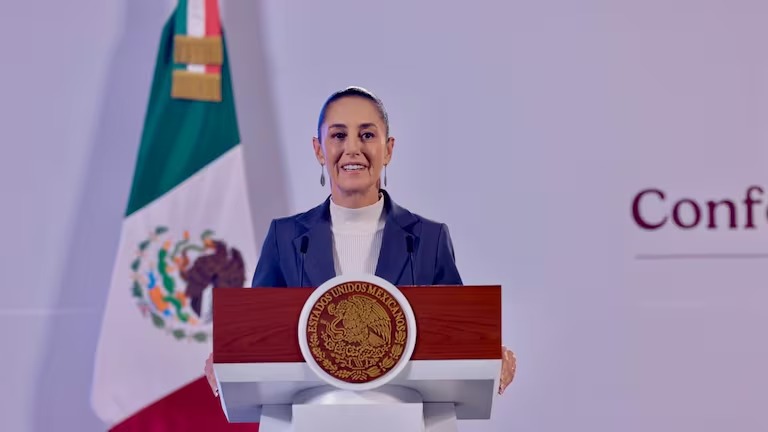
{"x":211,"y":377}
{"x":508,"y":366}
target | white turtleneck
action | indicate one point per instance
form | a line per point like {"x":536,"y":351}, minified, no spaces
{"x":357,"y":235}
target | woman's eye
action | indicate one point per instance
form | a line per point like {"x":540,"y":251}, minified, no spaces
{"x":339,"y":135}
{"x":368,"y":135}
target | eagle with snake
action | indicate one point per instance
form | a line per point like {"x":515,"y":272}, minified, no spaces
{"x":364,"y":322}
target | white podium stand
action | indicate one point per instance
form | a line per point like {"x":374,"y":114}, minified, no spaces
{"x":263,"y":377}
{"x":430,"y":395}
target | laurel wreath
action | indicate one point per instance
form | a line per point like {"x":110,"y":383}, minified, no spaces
{"x":138,"y":293}
{"x":395,"y":351}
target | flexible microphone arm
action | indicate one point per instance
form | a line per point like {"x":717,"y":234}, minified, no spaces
{"x":409,"y":245}
{"x":303,"y":250}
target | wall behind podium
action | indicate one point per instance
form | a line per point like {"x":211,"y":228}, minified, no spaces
{"x":531,"y":128}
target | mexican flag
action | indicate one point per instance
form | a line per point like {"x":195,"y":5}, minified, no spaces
{"x":187,"y":230}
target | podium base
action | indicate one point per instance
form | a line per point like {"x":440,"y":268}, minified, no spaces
{"x":387,"y":409}
{"x":440,"y":417}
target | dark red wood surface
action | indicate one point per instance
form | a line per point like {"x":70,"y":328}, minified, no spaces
{"x":257,"y":325}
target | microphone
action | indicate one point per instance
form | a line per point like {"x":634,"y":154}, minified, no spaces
{"x":303,"y":251}
{"x":409,"y":246}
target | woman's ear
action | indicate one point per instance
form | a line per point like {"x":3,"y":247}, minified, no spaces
{"x":390,"y":146}
{"x":318,"y":150}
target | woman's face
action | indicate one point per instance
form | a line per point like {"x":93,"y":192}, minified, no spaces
{"x":354,"y":147}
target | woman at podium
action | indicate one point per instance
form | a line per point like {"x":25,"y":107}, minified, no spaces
{"x":359,"y":228}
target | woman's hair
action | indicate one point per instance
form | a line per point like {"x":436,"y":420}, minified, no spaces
{"x":353,"y":91}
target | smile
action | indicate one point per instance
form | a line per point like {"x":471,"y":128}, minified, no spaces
{"x":353,"y":167}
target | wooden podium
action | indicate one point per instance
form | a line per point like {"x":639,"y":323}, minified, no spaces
{"x":453,"y":372}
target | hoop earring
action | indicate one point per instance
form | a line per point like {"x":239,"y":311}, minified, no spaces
{"x":385,"y":176}
{"x":322,"y":175}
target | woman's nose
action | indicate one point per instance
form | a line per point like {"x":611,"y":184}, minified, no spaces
{"x":352,"y":145}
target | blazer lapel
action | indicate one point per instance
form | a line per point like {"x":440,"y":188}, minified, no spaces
{"x":394,"y":247}
{"x":318,"y":262}
{"x":393,"y":257}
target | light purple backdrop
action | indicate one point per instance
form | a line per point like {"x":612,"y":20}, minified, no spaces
{"x":527,"y":126}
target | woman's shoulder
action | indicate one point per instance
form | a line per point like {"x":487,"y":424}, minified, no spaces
{"x":395,"y":212}
{"x":294,"y":222}
{"x":416,"y":221}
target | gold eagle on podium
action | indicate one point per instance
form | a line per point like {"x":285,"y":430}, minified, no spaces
{"x":363,"y":321}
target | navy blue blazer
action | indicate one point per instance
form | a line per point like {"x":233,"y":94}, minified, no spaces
{"x":280,"y":263}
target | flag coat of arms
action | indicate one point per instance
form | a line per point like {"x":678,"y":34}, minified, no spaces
{"x":187,"y":231}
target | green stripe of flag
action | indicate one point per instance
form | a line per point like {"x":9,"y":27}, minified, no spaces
{"x":180,"y":25}
{"x":180,"y":136}
{"x":181,"y":17}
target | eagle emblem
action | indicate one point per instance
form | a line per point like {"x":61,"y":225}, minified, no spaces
{"x":357,"y":332}
{"x":173,"y":279}
{"x":363,"y":321}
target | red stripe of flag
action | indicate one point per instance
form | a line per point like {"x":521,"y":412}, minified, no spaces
{"x":192,"y":408}
{"x":212,"y":27}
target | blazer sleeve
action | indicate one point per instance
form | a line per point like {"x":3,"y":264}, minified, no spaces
{"x":268,"y":272}
{"x":446,"y":272}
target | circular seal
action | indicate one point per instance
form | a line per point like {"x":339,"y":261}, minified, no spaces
{"x":357,"y":332}
{"x":173,"y":276}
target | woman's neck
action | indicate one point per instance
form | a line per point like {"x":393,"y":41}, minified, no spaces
{"x":357,"y":220}
{"x":355,"y":200}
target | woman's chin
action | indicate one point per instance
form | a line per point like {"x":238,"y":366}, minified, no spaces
{"x":355,"y":186}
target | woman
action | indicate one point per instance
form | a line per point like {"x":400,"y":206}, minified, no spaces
{"x":358,"y":229}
